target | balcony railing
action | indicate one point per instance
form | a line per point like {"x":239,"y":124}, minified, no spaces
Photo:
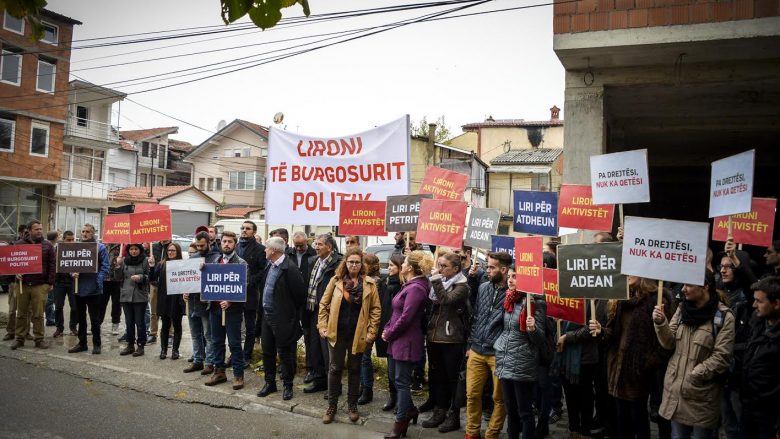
{"x":84,"y":189}
{"x":91,"y":129}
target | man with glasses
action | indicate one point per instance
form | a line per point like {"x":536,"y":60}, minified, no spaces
{"x":35,"y":289}
{"x":300,"y":253}
{"x":254,"y":255}
{"x":89,"y":297}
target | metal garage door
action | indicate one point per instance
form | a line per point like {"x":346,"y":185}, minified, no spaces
{"x":185,"y":222}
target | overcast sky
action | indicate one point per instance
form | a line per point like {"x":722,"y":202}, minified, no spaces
{"x":499,"y":64}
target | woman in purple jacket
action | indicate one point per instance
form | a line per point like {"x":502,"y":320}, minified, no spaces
{"x":404,"y":337}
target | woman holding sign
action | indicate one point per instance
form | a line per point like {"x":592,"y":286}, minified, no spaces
{"x":701,"y":333}
{"x":349,"y":318}
{"x":446,"y":338}
{"x":133,"y":272}
{"x":169,"y":308}
{"x":634,"y":354}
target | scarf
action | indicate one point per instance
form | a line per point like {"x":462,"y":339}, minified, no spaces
{"x":353,"y":290}
{"x":447,"y":284}
{"x":513,"y":297}
{"x":695,"y":317}
{"x":243,"y":244}
{"x":135,"y":260}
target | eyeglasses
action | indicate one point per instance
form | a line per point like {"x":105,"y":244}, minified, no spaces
{"x":173,"y":250}
{"x":726,"y":266}
{"x":354,"y":262}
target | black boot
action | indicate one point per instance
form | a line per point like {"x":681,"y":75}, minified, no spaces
{"x":436,"y":418}
{"x":451,"y":422}
{"x":427,"y":405}
{"x":391,"y":401}
{"x":163,"y":350}
{"x":176,"y":343}
{"x":366,"y":396}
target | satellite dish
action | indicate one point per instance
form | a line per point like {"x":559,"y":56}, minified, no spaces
{"x":221,"y":124}
{"x":278,"y":117}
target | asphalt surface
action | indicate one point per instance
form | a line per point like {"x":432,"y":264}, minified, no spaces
{"x":37,"y":402}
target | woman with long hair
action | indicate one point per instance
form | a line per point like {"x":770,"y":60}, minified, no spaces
{"x":133,"y":273}
{"x":349,"y":319}
{"x":392,"y":285}
{"x":404,"y":337}
{"x":169,"y":308}
{"x":446,"y":338}
{"x":634,"y":354}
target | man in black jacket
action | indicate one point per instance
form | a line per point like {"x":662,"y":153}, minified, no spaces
{"x":254,"y":255}
{"x":760,"y":383}
{"x":281,"y":300}
{"x":322,"y":267}
{"x":300,"y":253}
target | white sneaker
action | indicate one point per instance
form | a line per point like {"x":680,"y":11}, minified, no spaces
{"x":115,"y":329}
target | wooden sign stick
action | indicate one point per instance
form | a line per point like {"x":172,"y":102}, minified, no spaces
{"x":660,"y":293}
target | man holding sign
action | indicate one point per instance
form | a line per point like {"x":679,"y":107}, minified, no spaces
{"x":35,"y":288}
{"x":223,"y":284}
{"x":89,"y":295}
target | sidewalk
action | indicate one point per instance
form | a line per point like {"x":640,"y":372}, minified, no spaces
{"x":165,"y":378}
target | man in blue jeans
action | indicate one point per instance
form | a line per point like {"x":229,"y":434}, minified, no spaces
{"x":202,"y":349}
{"x":234,"y":316}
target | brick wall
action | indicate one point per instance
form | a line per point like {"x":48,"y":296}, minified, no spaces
{"x":598,"y":15}
{"x":27,"y":99}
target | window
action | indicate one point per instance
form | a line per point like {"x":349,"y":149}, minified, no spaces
{"x":50,"y":33}
{"x":82,"y":116}
{"x":228,"y":153}
{"x":145,"y":149}
{"x":210,"y":184}
{"x":236,"y":153}
{"x":160,"y":180}
{"x":202,"y":184}
{"x":39,"y":139}
{"x":161,"y":157}
{"x":540,"y":182}
{"x":47,"y":72}
{"x":142,"y":180}
{"x":263,"y":152}
{"x":247,"y":152}
{"x":13,"y":24}
{"x":7,"y":133}
{"x":246,"y":181}
{"x":11,"y":67}
{"x":83,"y":164}
{"x":219,"y":184}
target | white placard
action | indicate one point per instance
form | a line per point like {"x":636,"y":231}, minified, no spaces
{"x":183,"y":276}
{"x":731,"y":184}
{"x":307,"y":177}
{"x":620,"y":177}
{"x":664,"y":249}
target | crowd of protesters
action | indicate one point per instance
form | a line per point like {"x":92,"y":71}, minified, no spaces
{"x":705,"y":361}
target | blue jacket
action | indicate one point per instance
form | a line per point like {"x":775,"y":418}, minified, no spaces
{"x":91,"y":284}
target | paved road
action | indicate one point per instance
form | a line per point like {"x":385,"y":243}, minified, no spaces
{"x":40,"y":403}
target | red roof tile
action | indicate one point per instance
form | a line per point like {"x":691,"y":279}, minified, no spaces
{"x":180,"y":145}
{"x":127,"y":146}
{"x":139,"y":135}
{"x":519,"y":123}
{"x":259,"y":129}
{"x":141,"y":193}
{"x":236,"y":212}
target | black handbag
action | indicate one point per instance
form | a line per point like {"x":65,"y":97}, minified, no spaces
{"x":459,"y":399}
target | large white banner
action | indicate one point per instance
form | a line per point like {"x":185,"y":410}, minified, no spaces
{"x":620,"y":177}
{"x":731,"y":184}
{"x":307,"y":177}
{"x":183,"y":276}
{"x":664,"y":249}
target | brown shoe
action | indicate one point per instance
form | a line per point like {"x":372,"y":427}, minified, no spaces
{"x":238,"y":383}
{"x":353,"y":413}
{"x":193,"y":367}
{"x":329,"y":414}
{"x":207,"y":370}
{"x":41,"y":344}
{"x":8,"y":336}
{"x":57,"y":333}
{"x":17,"y":344}
{"x":217,"y":378}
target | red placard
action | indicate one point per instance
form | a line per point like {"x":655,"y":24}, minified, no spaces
{"x":571,"y":310}
{"x":146,"y":207}
{"x":116,"y":229}
{"x":21,"y":259}
{"x":529,"y":264}
{"x":754,"y":227}
{"x":362,"y":218}
{"x":576,"y":209}
{"x":150,"y":226}
{"x":444,"y":184}
{"x":441,"y":222}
